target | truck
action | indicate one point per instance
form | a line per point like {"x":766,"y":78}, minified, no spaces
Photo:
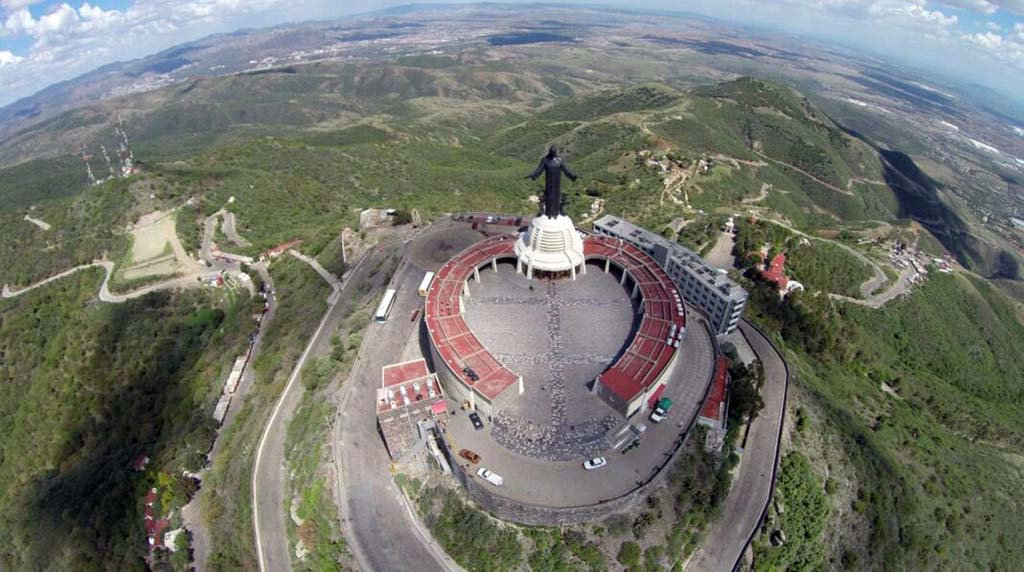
{"x":661,"y":410}
{"x":428,"y":278}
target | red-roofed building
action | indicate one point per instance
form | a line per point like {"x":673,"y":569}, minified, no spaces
{"x":155,"y":527}
{"x":408,"y":394}
{"x":776,"y":271}
{"x":715,"y":409}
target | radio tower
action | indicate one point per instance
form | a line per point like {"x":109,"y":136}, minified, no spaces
{"x":88,"y":168}
{"x":106,"y":158}
{"x":125,"y":153}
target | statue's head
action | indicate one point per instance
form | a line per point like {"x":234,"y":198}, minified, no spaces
{"x":552,"y":152}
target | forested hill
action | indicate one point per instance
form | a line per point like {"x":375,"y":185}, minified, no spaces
{"x":87,"y":389}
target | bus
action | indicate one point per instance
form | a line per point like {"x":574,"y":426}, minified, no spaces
{"x":385,"y":306}
{"x":425,"y":284}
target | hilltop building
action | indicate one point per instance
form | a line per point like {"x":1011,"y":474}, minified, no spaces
{"x":714,"y":414}
{"x":701,"y":284}
{"x":409,"y":403}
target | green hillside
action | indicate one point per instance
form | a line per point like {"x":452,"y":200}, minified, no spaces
{"x":930,"y":460}
{"x":85,"y":390}
{"x":917,"y":417}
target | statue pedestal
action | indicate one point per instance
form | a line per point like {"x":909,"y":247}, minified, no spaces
{"x":550,"y":245}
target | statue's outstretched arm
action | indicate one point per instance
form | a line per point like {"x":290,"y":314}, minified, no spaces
{"x":536,"y":172}
{"x":568,"y":173}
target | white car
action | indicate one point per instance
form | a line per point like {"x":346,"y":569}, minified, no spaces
{"x":595,"y":463}
{"x":491,"y":477}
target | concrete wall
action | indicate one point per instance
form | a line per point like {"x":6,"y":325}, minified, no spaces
{"x":484,"y":495}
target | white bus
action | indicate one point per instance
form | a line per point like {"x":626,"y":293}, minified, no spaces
{"x":425,"y":284}
{"x":385,"y":306}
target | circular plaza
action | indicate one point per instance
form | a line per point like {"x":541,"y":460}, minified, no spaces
{"x":563,"y":368}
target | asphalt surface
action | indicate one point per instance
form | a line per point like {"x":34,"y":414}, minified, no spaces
{"x":382,"y":531}
{"x":751,"y":490}
{"x":566,"y":483}
{"x":269,"y":478}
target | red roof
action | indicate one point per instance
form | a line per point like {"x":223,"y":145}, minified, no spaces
{"x":639,"y":367}
{"x":716,"y":397}
{"x":398,"y":373}
{"x":776,"y":272}
{"x":656,"y":396}
{"x":650,"y":352}
{"x":455,"y":342}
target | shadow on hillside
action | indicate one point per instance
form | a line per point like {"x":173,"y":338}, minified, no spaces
{"x":87,"y":513}
{"x":919,"y":200}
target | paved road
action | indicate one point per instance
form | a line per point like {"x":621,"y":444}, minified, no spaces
{"x":104,"y":293}
{"x":195,"y":272}
{"x":720,"y":255}
{"x":382,"y":532}
{"x":729,"y":536}
{"x":191,"y":513}
{"x":871,"y":284}
{"x":315,"y":265}
{"x":565,"y":483}
{"x":229,"y":230}
{"x":268,"y":477}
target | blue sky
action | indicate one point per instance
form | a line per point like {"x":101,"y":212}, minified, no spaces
{"x":45,"y":41}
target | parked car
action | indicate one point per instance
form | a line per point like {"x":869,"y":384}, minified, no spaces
{"x":475,"y":419}
{"x":491,"y":220}
{"x":661,"y":410}
{"x":595,"y":463}
{"x":491,"y":477}
{"x":469,"y":456}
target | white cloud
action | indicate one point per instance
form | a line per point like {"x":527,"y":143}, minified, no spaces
{"x":11,"y":5}
{"x":66,"y":41}
{"x":994,"y":26}
{"x":8,"y":59}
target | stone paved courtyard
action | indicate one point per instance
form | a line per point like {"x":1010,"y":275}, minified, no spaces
{"x":559,"y":335}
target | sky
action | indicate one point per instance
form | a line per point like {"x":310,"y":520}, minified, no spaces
{"x":46,"y":41}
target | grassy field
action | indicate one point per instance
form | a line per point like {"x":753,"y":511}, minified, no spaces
{"x":934,"y":464}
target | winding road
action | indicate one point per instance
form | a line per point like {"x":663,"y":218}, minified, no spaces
{"x":745,"y":506}
{"x":269,"y":478}
{"x":104,"y":293}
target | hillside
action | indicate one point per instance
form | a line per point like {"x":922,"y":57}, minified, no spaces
{"x":85,"y":391}
{"x":922,"y":470}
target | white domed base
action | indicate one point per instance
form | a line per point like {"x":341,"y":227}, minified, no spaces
{"x":550,"y":245}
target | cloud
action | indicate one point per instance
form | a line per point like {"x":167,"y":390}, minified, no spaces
{"x":11,"y":5}
{"x":66,"y":41}
{"x":8,"y":59}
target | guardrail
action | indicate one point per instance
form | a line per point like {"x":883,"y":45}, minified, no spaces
{"x":778,"y":447}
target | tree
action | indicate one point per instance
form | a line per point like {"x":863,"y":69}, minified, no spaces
{"x":629,"y":554}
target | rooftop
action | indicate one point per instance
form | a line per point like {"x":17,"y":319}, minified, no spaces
{"x":406,"y":384}
{"x":683,"y":256}
{"x":713,"y":409}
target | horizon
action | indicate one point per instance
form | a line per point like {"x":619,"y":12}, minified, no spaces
{"x":34,"y":41}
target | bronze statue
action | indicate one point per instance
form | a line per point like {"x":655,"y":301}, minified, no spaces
{"x":552,"y":166}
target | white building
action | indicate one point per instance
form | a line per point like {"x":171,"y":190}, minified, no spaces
{"x":701,"y":284}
